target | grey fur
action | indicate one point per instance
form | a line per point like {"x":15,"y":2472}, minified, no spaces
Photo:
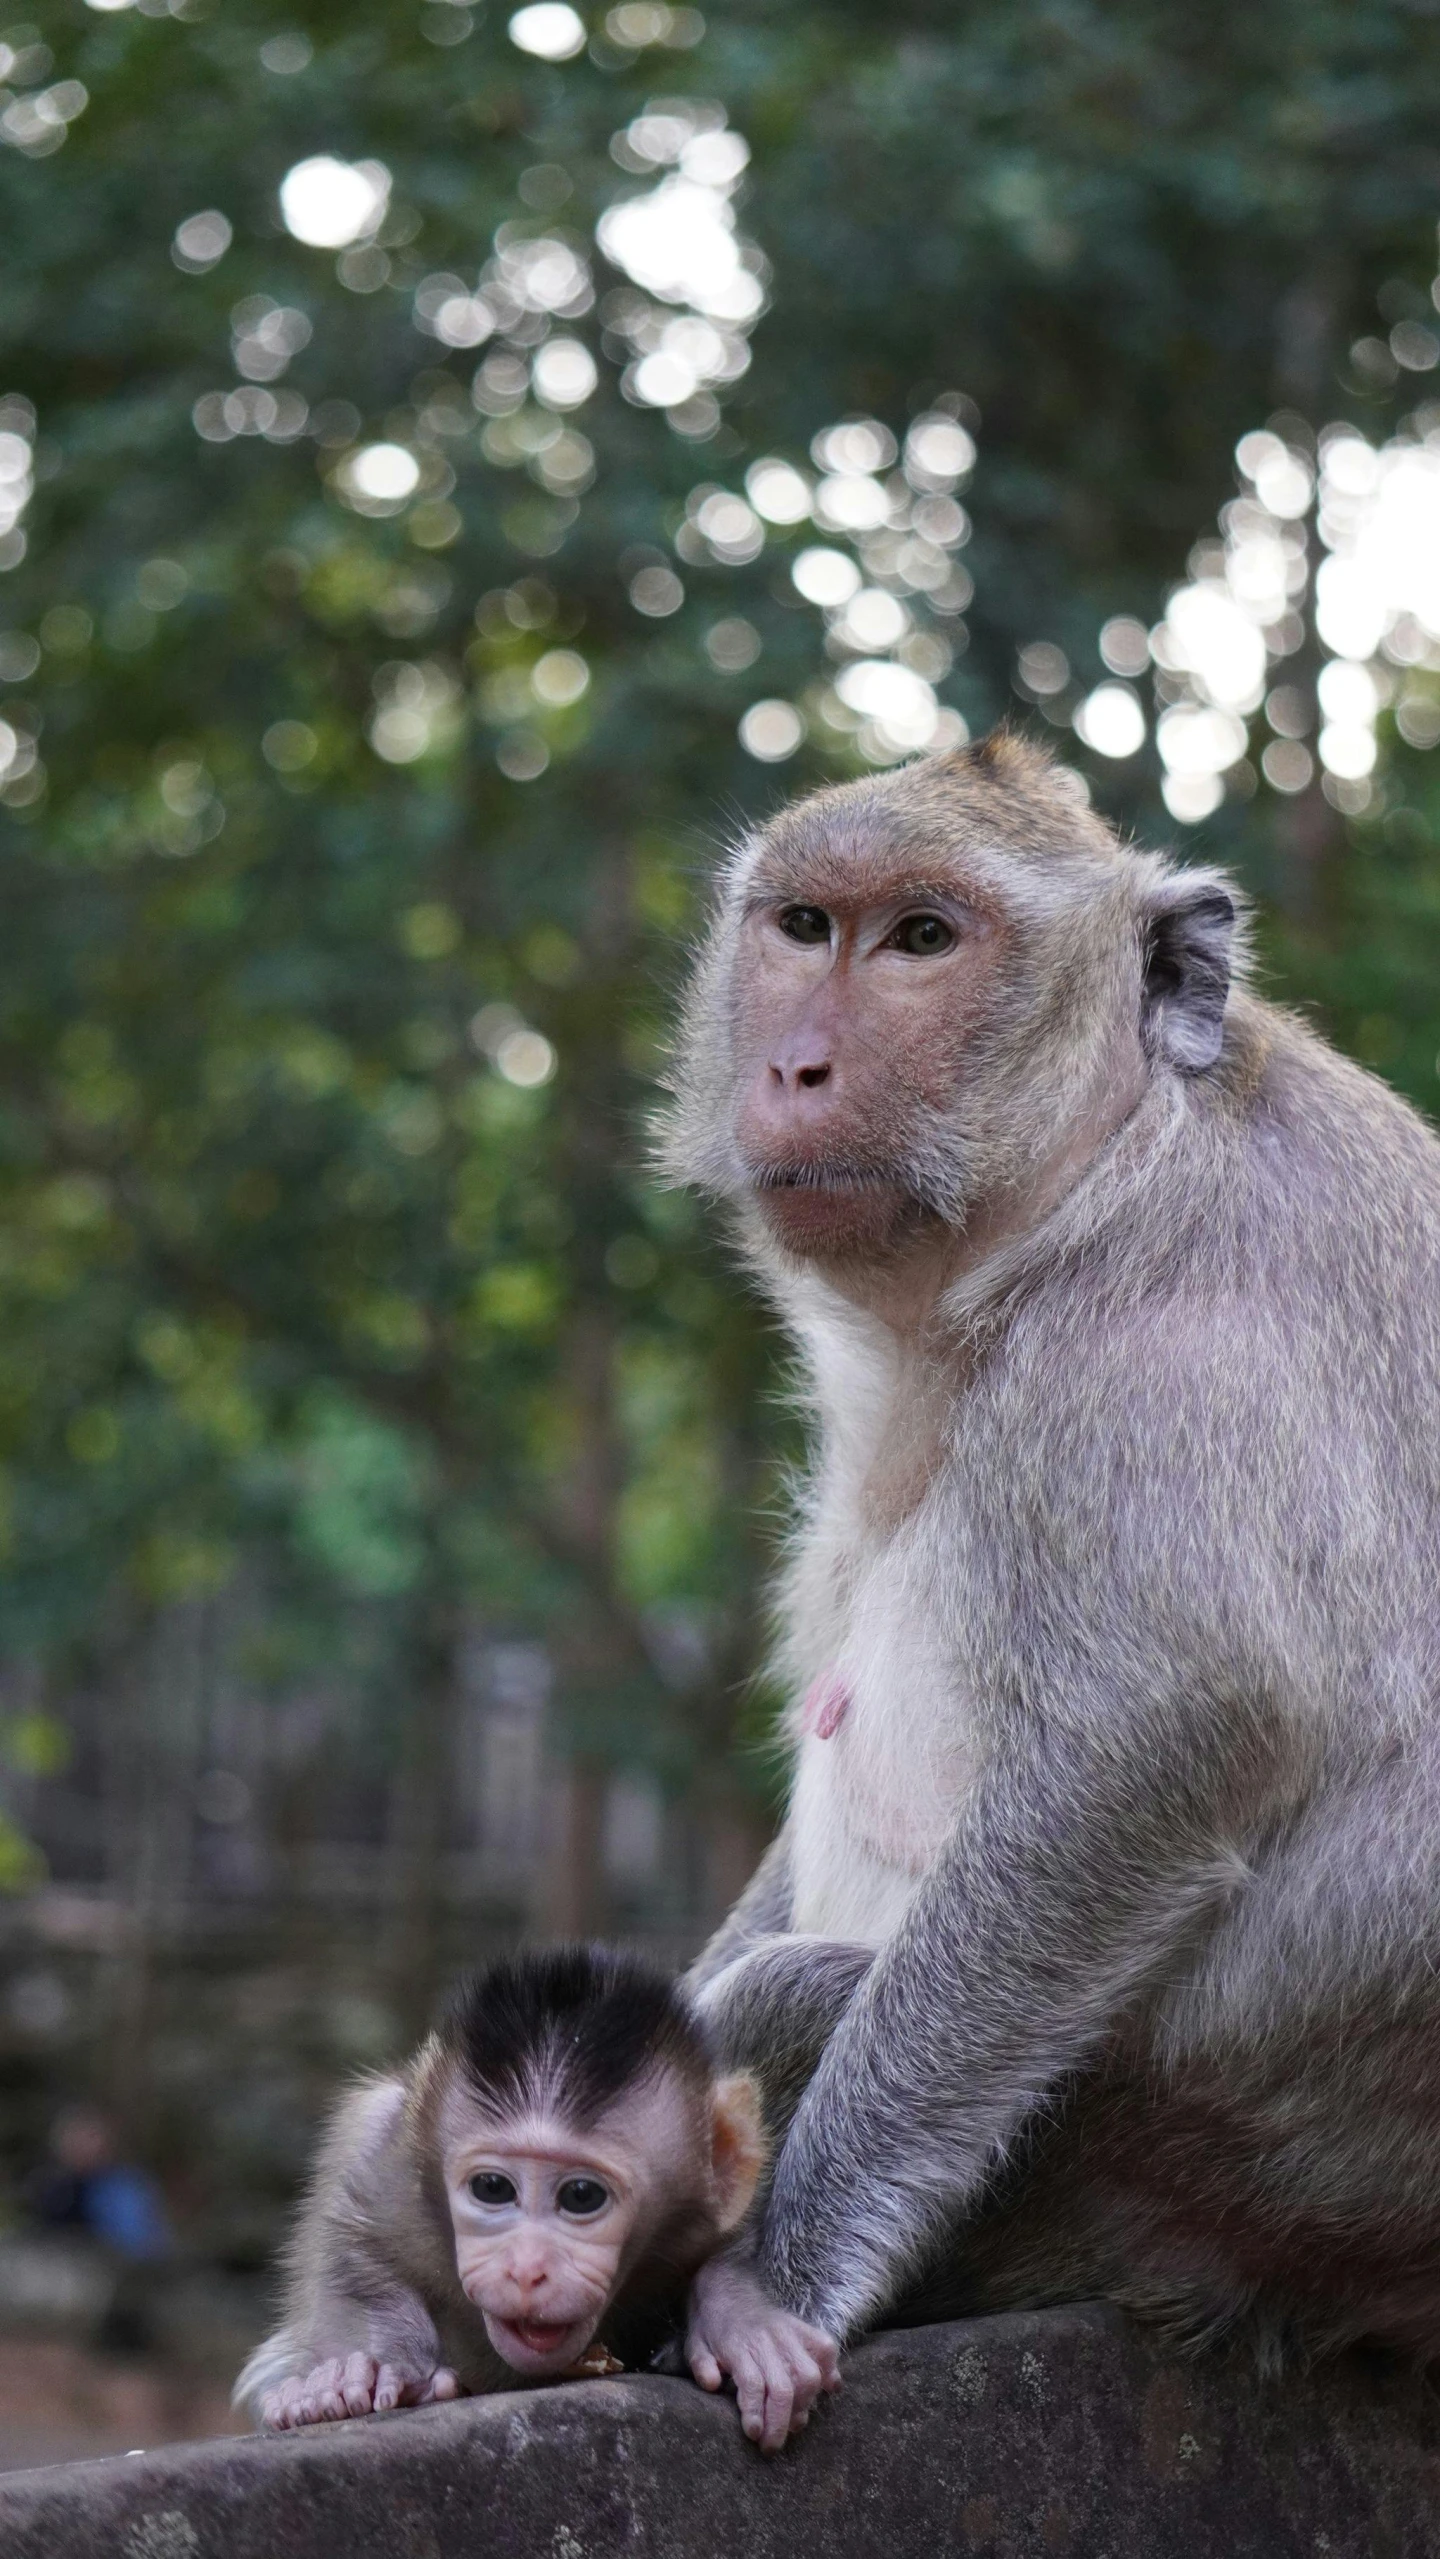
{"x":1131,"y":1553}
{"x":772,"y":2011}
{"x":369,"y":2267}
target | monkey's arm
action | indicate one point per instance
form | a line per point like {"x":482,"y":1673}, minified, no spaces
{"x":772,"y":2011}
{"x":356,"y":2334}
{"x":763,"y":1910}
{"x":1084,"y":1861}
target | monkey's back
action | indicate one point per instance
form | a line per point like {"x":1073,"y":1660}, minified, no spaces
{"x":1220,"y":1388}
{"x":1261,"y":2142}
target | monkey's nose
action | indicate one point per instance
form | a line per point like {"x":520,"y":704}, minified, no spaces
{"x":800,"y":1063}
{"x":528,"y":2274}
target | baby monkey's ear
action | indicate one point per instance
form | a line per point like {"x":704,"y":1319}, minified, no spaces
{"x":738,"y":2148}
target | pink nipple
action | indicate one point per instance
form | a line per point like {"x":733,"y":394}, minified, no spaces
{"x":826,"y":1705}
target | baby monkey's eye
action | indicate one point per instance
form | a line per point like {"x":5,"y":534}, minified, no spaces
{"x":805,"y":923}
{"x":489,"y":2187}
{"x":581,"y":2196}
{"x":922,"y":936}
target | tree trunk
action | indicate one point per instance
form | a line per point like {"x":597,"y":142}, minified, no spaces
{"x":421,"y":1799}
{"x":152,"y":1736}
{"x":573,"y":1899}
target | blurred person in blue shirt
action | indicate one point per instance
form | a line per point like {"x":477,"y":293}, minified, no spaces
{"x":85,"y":2186}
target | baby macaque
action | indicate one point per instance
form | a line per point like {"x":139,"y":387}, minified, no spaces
{"x":559,"y":2159}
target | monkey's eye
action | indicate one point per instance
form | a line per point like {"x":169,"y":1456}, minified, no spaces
{"x":805,"y":923}
{"x":922,"y":937}
{"x":581,"y":2196}
{"x":489,"y":2187}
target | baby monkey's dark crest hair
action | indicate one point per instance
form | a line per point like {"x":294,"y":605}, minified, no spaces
{"x":572,"y":2025}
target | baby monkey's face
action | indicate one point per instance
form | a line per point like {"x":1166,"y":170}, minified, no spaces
{"x":540,"y":2235}
{"x":549,"y":2222}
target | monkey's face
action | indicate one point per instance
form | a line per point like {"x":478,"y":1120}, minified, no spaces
{"x":860,"y":987}
{"x":549,"y":2220}
{"x":543,"y":2223}
{"x":926,"y":1002}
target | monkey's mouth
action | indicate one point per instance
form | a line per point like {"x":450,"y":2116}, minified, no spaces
{"x":821,"y":1207}
{"x":819,"y":1175}
{"x":532,"y":2345}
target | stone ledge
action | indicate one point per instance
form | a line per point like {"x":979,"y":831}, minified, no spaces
{"x":1064,"y":2434}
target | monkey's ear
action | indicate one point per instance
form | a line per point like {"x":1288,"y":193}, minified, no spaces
{"x":738,"y":2149}
{"x":1186,"y":930}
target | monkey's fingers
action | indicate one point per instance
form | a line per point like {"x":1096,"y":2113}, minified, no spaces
{"x":765,"y":2390}
{"x":395,"y":2388}
{"x":357,"y":2385}
{"x":281,"y":2409}
{"x":822,"y":2352}
{"x":442,"y":2383}
{"x":779,"y":2419}
{"x":703,"y":2366}
{"x":748,"y":2375}
{"x":325,"y":2392}
{"x":804,"y":2374}
{"x":305,"y":2399}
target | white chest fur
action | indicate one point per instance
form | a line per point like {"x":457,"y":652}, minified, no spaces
{"x":873,"y":1594}
{"x":874,"y":1803}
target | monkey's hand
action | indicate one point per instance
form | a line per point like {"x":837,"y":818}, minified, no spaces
{"x":779,"y":2365}
{"x":355,"y":2385}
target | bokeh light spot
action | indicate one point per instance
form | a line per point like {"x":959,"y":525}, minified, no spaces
{"x":771,"y":731}
{"x":733,"y":644}
{"x":548,"y":29}
{"x":378,"y":478}
{"x":778,"y":492}
{"x":900,"y":703}
{"x":1043,"y":669}
{"x":288,"y":746}
{"x":201,"y":241}
{"x":1192,"y":796}
{"x":560,"y":677}
{"x":285,"y":55}
{"x":873,"y":620}
{"x":1125,"y":645}
{"x":656,"y":592}
{"x":938,"y":452}
{"x":328,"y":203}
{"x":525,"y":1057}
{"x":563,"y":373}
{"x":1111,"y":721}
{"x":1347,"y":750}
{"x":1287,"y":765}
{"x":522,"y":756}
{"x":825,"y":577}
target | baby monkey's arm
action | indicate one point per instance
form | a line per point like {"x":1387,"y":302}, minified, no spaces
{"x":356,"y":2337}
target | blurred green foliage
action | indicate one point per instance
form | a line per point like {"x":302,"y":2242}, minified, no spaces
{"x":295,"y":1285}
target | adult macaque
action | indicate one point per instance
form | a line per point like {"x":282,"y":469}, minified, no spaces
{"x":559,"y":2158}
{"x":1115,"y":1606}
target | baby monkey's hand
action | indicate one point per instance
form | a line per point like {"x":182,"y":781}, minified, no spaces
{"x":779,"y":2365}
{"x":355,"y":2385}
